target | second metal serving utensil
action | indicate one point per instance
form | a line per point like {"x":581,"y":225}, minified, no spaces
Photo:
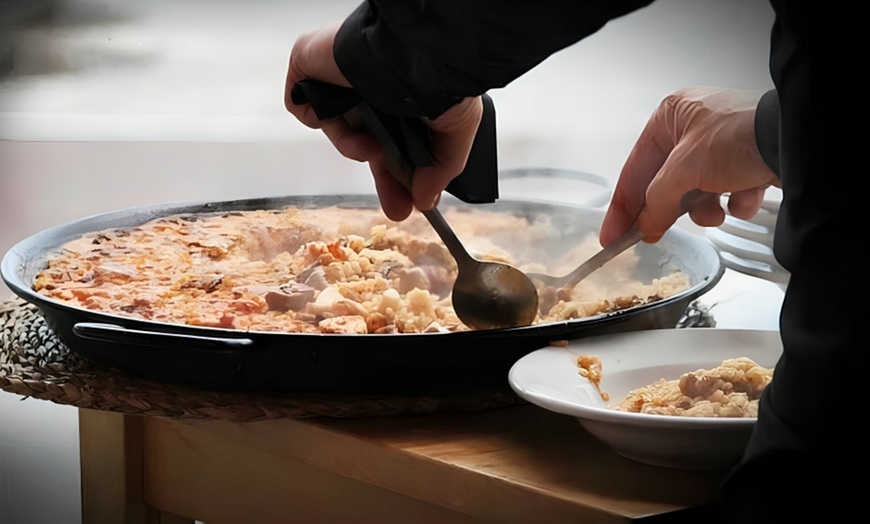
{"x":627,"y":240}
{"x":624,"y":242}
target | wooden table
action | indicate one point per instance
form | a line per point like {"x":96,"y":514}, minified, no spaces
{"x":514,"y":464}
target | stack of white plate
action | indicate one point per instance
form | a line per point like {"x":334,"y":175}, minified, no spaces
{"x":549,"y":378}
{"x":747,"y":245}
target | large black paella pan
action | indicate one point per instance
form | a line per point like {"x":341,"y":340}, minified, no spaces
{"x":430,"y":363}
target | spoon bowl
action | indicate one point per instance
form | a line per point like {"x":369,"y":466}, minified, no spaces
{"x":486,"y":295}
{"x":489,"y":295}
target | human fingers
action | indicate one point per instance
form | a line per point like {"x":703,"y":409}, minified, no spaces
{"x":709,"y":140}
{"x":311,"y":57}
{"x":746,"y":203}
{"x":352,"y":142}
{"x":649,"y":153}
{"x":395,"y":200}
{"x":665,"y":198}
{"x":360,"y":145}
{"x":451,"y":137}
{"x":706,"y":211}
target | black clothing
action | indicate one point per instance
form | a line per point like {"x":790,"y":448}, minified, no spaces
{"x":807,"y":435}
{"x":417,"y":58}
{"x":767,"y":129}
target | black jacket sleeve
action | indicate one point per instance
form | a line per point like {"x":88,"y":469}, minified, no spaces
{"x":420,"y":57}
{"x":767,"y":129}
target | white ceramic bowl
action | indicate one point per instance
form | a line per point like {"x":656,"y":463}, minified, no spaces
{"x":549,"y":378}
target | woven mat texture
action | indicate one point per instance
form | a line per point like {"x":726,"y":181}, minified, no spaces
{"x":34,"y":363}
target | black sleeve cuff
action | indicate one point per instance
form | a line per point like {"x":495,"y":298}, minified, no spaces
{"x":767,"y":129}
{"x":373,"y":79}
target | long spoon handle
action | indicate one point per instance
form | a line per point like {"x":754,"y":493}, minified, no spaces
{"x":448,"y":236}
{"x":628,"y":239}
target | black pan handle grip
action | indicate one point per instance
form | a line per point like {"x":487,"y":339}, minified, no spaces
{"x":121,"y":335}
{"x":406,"y":140}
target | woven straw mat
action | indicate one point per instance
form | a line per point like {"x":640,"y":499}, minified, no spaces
{"x":34,"y":363}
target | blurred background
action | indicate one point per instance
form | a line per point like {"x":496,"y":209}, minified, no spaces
{"x":107,"y":104}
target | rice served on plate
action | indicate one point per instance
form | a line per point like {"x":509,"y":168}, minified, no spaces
{"x":731,"y":389}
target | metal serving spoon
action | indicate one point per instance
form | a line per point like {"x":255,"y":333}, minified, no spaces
{"x":486,"y":295}
{"x":628,"y":239}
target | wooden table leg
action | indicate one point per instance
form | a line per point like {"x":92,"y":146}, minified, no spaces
{"x":112,"y":453}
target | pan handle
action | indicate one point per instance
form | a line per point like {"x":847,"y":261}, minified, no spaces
{"x":122,"y":335}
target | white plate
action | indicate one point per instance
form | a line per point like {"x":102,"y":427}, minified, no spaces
{"x":775,"y":274}
{"x":747,"y":245}
{"x":741,"y":246}
{"x":549,"y":378}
